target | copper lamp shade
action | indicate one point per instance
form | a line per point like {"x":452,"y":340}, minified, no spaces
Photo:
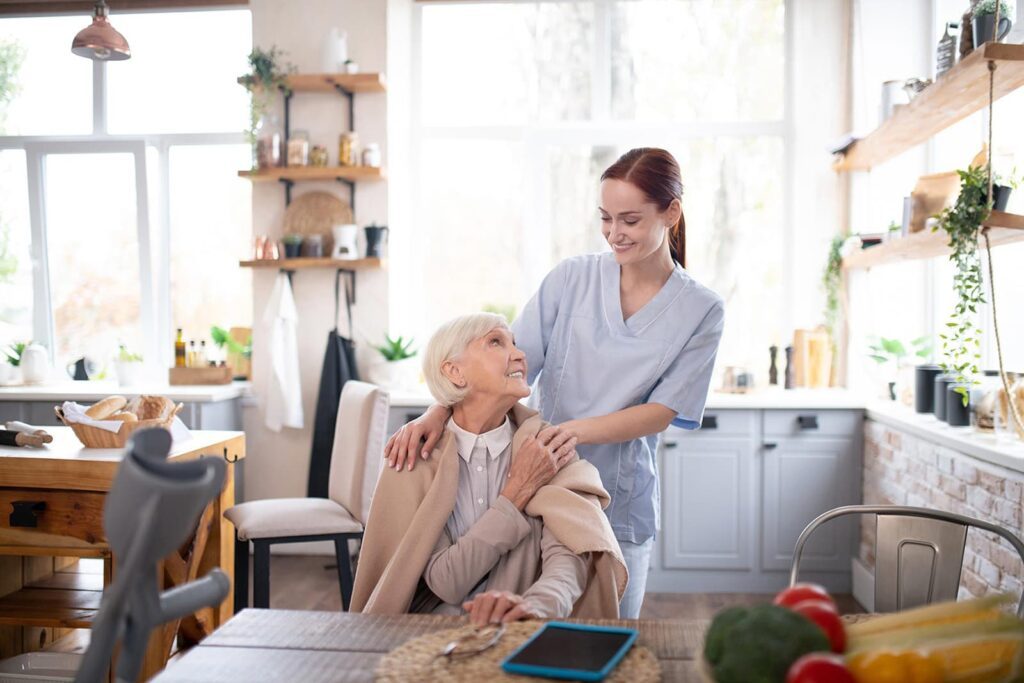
{"x":100,"y":41}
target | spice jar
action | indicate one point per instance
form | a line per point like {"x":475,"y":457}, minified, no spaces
{"x":371,"y":155}
{"x":298,"y":149}
{"x":318,"y":156}
{"x":313,"y":246}
{"x":347,"y":149}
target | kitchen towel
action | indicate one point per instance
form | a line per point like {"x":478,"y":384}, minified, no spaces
{"x":284,"y":395}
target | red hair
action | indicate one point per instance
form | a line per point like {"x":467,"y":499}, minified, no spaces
{"x":656,"y":173}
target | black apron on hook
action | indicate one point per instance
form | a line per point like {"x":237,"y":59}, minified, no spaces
{"x":339,"y":367}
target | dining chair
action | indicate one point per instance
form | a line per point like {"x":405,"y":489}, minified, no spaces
{"x":357,"y":457}
{"x":919,"y":552}
{"x":153,"y":507}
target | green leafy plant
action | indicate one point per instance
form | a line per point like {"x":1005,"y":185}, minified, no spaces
{"x":986,"y":7}
{"x":265,"y":78}
{"x":221,"y":338}
{"x":831,"y":278}
{"x":961,"y":342}
{"x":126,"y":356}
{"x":12,"y":353}
{"x":12,"y":56}
{"x":894,"y":350}
{"x":396,"y":349}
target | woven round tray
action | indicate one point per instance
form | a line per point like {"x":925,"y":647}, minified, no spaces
{"x":417,"y":660}
{"x":315,"y":213}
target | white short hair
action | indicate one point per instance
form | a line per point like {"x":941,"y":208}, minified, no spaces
{"x":447,"y":343}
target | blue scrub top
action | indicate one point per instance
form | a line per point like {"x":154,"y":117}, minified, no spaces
{"x":586,"y":361}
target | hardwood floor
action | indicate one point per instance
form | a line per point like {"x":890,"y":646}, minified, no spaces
{"x":301,"y":582}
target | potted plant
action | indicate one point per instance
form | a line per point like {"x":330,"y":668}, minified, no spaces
{"x":396,"y":367}
{"x":1001,"y":189}
{"x":292,"y":245}
{"x":893,"y":350}
{"x":239,"y":354}
{"x":961,"y":341}
{"x":265,"y":78}
{"x":128,"y":367}
{"x":10,"y":364}
{"x":984,"y":20}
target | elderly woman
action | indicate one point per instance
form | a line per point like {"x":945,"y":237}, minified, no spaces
{"x":507,"y":524}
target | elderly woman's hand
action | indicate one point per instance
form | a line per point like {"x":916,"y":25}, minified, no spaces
{"x":492,"y":607}
{"x":536,"y":462}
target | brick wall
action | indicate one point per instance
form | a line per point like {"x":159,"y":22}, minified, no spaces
{"x":902,"y":469}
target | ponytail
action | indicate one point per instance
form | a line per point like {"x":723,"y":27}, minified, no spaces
{"x":677,"y":241}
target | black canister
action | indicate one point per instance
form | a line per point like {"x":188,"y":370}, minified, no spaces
{"x":939,"y":395}
{"x":957,"y":414}
{"x":924,"y":387}
{"x":375,"y":235}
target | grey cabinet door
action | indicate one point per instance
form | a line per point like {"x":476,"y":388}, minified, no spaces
{"x":804,"y":477}
{"x":709,"y":494}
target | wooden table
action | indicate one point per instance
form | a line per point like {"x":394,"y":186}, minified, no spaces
{"x":338,"y":647}
{"x":73,"y":482}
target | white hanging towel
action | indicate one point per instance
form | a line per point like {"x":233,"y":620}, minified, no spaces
{"x":284,"y":395}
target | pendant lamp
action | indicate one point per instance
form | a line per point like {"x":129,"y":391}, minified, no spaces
{"x":100,"y":41}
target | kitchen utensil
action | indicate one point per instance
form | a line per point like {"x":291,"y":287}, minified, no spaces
{"x":345,"y":246}
{"x":375,"y":237}
{"x":81,"y":369}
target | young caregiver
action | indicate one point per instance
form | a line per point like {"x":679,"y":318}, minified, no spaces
{"x":621,"y":345}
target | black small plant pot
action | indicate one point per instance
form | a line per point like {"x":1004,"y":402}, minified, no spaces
{"x":939,"y":394}
{"x":292,"y":250}
{"x":957,"y":414}
{"x":1000,"y":197}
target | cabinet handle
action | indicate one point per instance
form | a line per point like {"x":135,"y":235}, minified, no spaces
{"x":670,"y":444}
{"x":25,"y":513}
{"x":709,"y":422}
{"x":807,"y":421}
{"x":771,"y":446}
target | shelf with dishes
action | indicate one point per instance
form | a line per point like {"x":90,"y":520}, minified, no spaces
{"x":304,"y":263}
{"x":1002,"y":228}
{"x":958,"y":93}
{"x":293,"y":174}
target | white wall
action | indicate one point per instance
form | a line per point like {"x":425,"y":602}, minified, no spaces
{"x":278,"y":463}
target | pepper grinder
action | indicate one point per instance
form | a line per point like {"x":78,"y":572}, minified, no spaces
{"x":773,"y":371}
{"x":789,"y":367}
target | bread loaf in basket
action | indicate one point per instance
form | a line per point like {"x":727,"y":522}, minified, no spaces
{"x":142,"y":412}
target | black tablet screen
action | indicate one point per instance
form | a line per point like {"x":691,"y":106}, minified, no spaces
{"x":568,"y":648}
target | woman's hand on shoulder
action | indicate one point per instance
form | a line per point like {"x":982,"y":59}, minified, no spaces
{"x":493,"y":607}
{"x":536,"y":462}
{"x":404,"y":445}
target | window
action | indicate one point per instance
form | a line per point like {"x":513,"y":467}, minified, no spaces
{"x":523,"y":105}
{"x":164,"y":190}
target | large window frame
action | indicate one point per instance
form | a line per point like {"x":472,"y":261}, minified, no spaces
{"x":153,"y":222}
{"x":600,"y":131}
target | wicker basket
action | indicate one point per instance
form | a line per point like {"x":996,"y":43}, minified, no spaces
{"x":94,"y":437}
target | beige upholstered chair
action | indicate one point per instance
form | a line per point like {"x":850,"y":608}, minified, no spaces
{"x":356,"y":461}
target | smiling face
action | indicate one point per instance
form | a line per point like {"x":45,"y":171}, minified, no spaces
{"x":631,"y":223}
{"x":492,"y":366}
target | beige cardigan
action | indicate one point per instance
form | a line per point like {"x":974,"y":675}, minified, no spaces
{"x":409,"y":511}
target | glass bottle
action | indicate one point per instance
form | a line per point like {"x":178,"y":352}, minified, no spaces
{"x":179,"y":350}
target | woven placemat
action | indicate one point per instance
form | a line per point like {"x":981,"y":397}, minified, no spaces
{"x":417,"y":660}
{"x":314,"y":213}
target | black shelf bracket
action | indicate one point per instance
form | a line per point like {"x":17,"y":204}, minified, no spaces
{"x":348,"y":95}
{"x":351,"y":194}
{"x":288,"y":183}
{"x":290,"y":273}
{"x":351,"y":274}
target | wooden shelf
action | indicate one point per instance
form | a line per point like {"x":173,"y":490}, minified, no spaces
{"x":959,"y":92}
{"x":351,"y":174}
{"x":305,"y":263}
{"x":1003,"y":228}
{"x":63,"y":600}
{"x":353,"y":83}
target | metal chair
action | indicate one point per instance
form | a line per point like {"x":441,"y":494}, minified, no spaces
{"x":919,"y":553}
{"x":151,"y":510}
{"x":357,"y":457}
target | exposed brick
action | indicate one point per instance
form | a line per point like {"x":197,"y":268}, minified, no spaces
{"x":965,"y":472}
{"x":1007,"y":560}
{"x":933,"y":477}
{"x":941,"y":501}
{"x":993,"y":483}
{"x":917,"y":471}
{"x":953,"y":487}
{"x":973,"y":583}
{"x":980,"y":500}
{"x":894,"y":439}
{"x":1011,"y":584}
{"x":915,"y":500}
{"x":1006,"y":512}
{"x":989,"y":572}
{"x":945,"y":461}
{"x":1013,"y":490}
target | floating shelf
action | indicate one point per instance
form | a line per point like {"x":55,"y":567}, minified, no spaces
{"x":352,"y":83}
{"x":1003,"y":228}
{"x":302,"y":173}
{"x":304,"y":263}
{"x":958,"y":93}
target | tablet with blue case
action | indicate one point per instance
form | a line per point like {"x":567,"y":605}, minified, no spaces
{"x":576,"y":652}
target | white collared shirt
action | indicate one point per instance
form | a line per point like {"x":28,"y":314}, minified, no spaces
{"x":484,"y":460}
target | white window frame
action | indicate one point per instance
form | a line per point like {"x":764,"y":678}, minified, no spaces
{"x":601,"y":130}
{"x":154,"y":236}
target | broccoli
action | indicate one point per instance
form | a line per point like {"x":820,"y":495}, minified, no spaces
{"x":758,"y":644}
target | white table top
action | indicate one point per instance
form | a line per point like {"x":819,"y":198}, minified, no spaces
{"x":66,"y":446}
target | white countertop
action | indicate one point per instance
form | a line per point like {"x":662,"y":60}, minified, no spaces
{"x":94,"y":391}
{"x":66,"y":446}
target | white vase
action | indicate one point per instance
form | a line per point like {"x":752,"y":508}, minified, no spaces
{"x":129,"y":373}
{"x":35,"y":364}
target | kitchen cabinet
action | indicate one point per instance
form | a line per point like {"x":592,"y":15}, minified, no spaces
{"x":737,"y":493}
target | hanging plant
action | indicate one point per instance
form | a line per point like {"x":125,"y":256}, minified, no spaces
{"x":961,"y":342}
{"x":832,"y":279}
{"x":264,"y":80}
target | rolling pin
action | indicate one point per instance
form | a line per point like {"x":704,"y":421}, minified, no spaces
{"x":21,"y":434}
